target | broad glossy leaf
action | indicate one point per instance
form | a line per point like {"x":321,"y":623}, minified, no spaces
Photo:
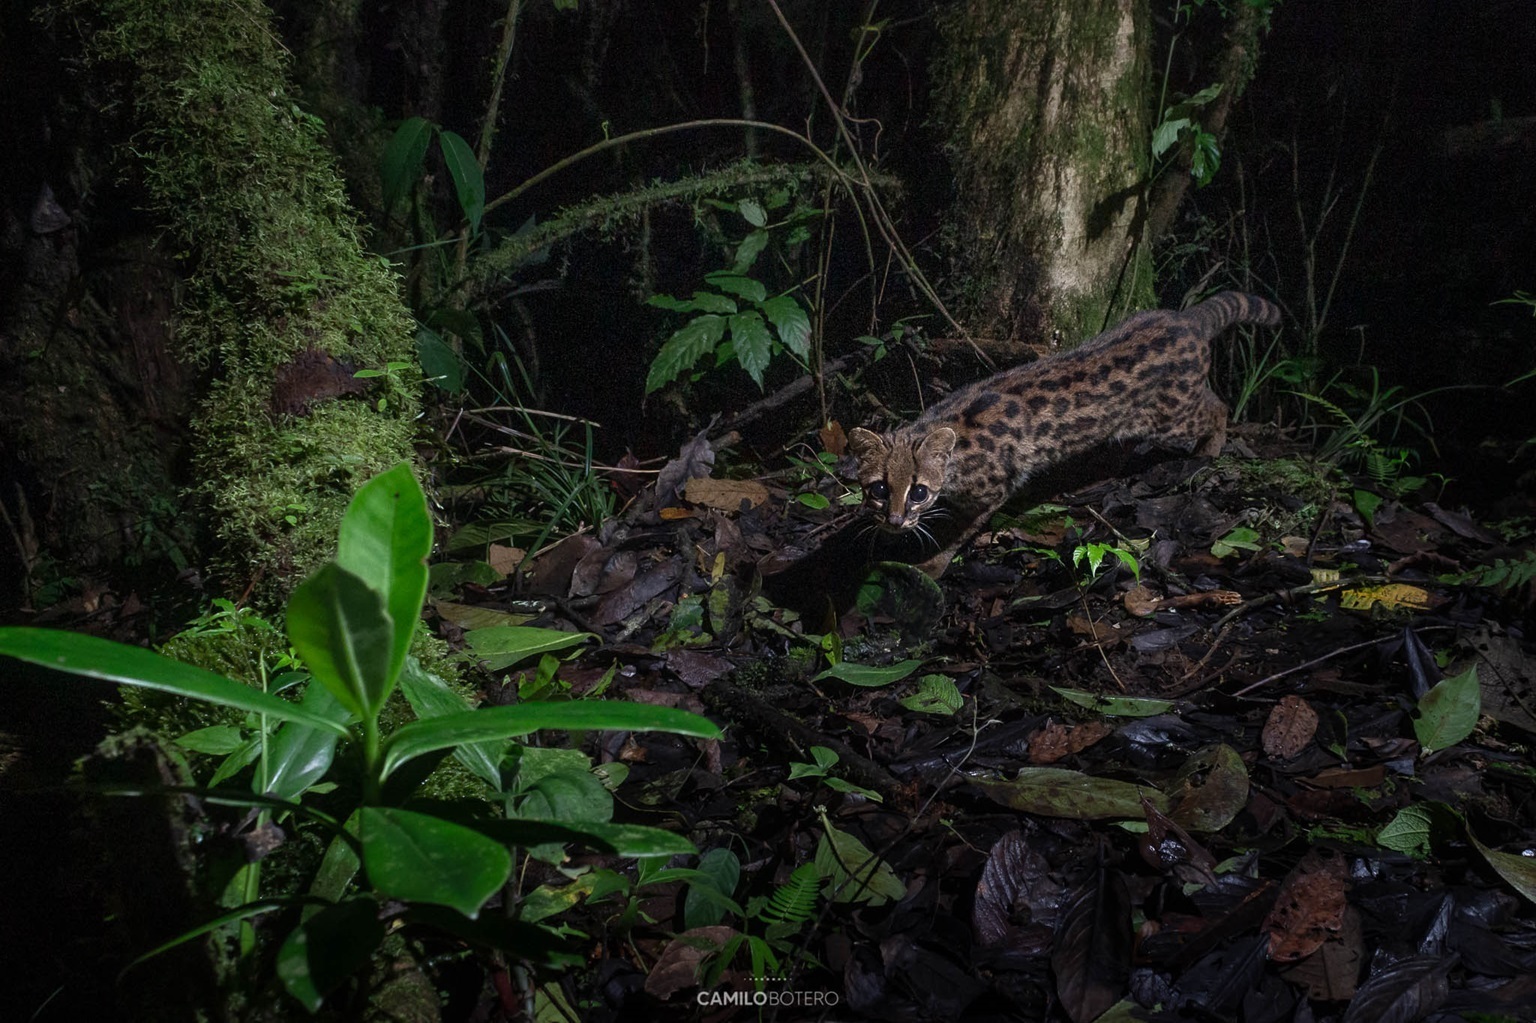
{"x":337,"y":867}
{"x":468,"y":178}
{"x":682,"y":351}
{"x":298,"y":755}
{"x":501,"y":646}
{"x":403,"y":158}
{"x":868,"y":675}
{"x":747,"y":252}
{"x":570,"y":796}
{"x":439,"y":362}
{"x":1209,"y":790}
{"x":936,"y":694}
{"x":632,"y":840}
{"x":721,"y":870}
{"x":134,"y":666}
{"x":327,"y":948}
{"x":384,"y":540}
{"x":431,"y":697}
{"x":420,"y":858}
{"x":537,"y":945}
{"x":754,"y":346}
{"x":218,"y":740}
{"x":341,"y":630}
{"x":491,"y":723}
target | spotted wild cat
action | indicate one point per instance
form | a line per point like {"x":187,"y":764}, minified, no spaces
{"x":1144,"y":379}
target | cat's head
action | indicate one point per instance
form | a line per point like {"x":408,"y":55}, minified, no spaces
{"x":901,"y":473}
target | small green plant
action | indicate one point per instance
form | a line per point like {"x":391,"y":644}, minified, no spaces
{"x":1180,"y":123}
{"x":821,"y":769}
{"x":351,"y":624}
{"x":1240,"y":539}
{"x":739,"y":306}
{"x":1503,"y":575}
{"x":1094,"y":555}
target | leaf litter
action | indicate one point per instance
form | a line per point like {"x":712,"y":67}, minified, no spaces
{"x":1285,"y":774}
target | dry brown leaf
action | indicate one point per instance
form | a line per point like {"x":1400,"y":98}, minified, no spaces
{"x":1332,"y":973}
{"x":1291,"y":725}
{"x":1099,"y":632}
{"x":1054,"y":741}
{"x":1141,"y":600}
{"x":725,"y":495}
{"x":1309,"y":909}
{"x":833,"y":438}
{"x":678,"y":965}
{"x":1348,"y":778}
{"x":504,"y":559}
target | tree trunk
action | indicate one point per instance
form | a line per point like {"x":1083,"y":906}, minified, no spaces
{"x":1045,"y":106}
{"x":278,"y":303}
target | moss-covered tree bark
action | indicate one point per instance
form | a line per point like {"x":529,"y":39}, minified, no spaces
{"x":281,"y":303}
{"x":1045,"y":107}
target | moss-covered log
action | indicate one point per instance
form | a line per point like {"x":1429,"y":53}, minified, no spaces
{"x":281,"y":302}
{"x":1045,"y":107}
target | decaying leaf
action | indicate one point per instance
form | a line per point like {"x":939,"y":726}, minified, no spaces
{"x":1092,"y":952}
{"x":1309,"y":909}
{"x":1397,"y":596}
{"x":725,"y":495}
{"x":1209,"y":790}
{"x":1056,"y":792}
{"x":679,"y":964}
{"x":1290,"y":727}
{"x":1332,"y":973}
{"x":1054,"y":741}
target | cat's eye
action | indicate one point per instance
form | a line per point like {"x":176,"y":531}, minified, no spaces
{"x":919,"y":493}
{"x":879,"y":490}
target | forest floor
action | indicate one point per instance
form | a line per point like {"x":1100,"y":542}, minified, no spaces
{"x":1205,"y":740}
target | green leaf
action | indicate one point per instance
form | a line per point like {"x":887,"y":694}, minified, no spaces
{"x":220,"y":740}
{"x":682,"y":351}
{"x":1518,"y":871}
{"x":468,"y":178}
{"x":327,"y":948}
{"x":403,"y":156}
{"x":439,"y":362}
{"x":1409,"y":832}
{"x":431,"y":697}
{"x":568,"y":797}
{"x":749,"y":249}
{"x":754,"y":346}
{"x":811,"y":499}
{"x":868,"y":676}
{"x":1115,"y":706}
{"x":488,"y":723}
{"x":631,"y":840}
{"x":501,"y":646}
{"x":1449,"y":711}
{"x":752,"y":212}
{"x":1057,"y":792}
{"x":852,"y":872}
{"x":341,"y":630}
{"x":1209,"y":790}
{"x":1167,"y":134}
{"x":420,"y":858}
{"x":936,"y":694}
{"x":744,"y":287}
{"x":131,"y":665}
{"x":298,"y":755}
{"x":385,"y":537}
{"x":791,"y":322}
{"x":721,"y":870}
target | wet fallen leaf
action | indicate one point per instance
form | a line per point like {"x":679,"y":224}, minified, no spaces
{"x":467,"y":617}
{"x":1091,"y":956}
{"x":1309,"y":909}
{"x":1290,"y":727}
{"x":1115,"y":706}
{"x":1408,"y":990}
{"x":1057,"y":792}
{"x":504,"y":558}
{"x":1209,"y":790}
{"x":1332,"y":973}
{"x":1448,"y":712}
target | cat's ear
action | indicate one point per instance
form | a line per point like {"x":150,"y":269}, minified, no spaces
{"x":938,"y":444}
{"x":864,"y":443}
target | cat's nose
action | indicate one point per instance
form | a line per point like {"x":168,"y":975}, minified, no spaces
{"x":896,"y":520}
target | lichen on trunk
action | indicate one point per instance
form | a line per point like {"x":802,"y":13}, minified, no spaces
{"x":1046,"y":112}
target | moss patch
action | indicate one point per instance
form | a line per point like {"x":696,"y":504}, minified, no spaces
{"x":274,"y":267}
